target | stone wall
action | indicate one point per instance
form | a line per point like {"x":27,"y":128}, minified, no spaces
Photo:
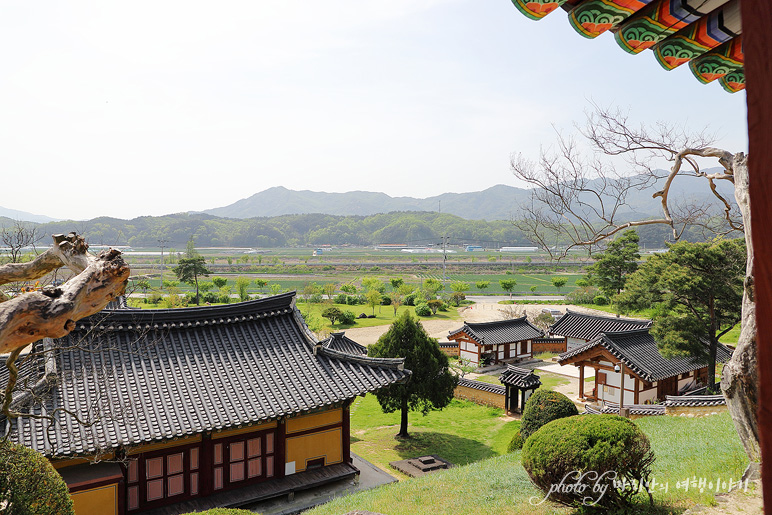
{"x":695,"y":411}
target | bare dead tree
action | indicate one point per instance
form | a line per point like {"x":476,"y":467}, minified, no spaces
{"x":53,"y":311}
{"x":579,"y":202}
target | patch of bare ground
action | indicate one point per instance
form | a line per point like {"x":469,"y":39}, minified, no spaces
{"x":737,"y":502}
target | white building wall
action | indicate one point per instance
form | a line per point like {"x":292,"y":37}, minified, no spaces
{"x":648,"y":395}
{"x":613,"y":382}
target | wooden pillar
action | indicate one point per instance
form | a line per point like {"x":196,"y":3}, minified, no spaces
{"x":280,"y":458}
{"x":346,"y":433}
{"x":637,"y":390}
{"x":581,"y":380}
{"x":522,"y":400}
{"x":757,"y":44}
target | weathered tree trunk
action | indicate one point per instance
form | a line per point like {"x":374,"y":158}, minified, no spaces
{"x":740,"y":377}
{"x":52,"y":312}
{"x":403,"y":422}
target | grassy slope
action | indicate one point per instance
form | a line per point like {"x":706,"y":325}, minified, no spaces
{"x":461,"y":433}
{"x":685,"y":448}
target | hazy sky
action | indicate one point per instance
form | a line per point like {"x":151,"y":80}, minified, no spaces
{"x":140,"y":108}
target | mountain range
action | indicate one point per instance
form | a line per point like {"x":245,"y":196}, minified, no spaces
{"x":498,"y":202}
{"x":495,"y":203}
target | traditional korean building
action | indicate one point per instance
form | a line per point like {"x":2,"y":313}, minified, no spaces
{"x":193,"y":408}
{"x":648,"y":375}
{"x":496,"y":342}
{"x":576,"y":329}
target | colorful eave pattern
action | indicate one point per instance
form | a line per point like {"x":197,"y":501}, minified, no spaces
{"x":706,"y":34}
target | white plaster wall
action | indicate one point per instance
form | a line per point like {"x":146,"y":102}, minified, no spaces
{"x":471,"y":356}
{"x":648,"y":395}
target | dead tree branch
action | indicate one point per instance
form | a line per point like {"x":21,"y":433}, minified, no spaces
{"x":52,"y":312}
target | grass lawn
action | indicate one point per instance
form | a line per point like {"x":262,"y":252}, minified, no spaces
{"x":462,"y":433}
{"x":685,"y":448}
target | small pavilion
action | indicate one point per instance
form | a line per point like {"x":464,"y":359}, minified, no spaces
{"x":520,"y":384}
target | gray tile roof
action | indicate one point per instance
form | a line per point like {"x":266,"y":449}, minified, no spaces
{"x":341,"y":342}
{"x":150,"y":375}
{"x":639,"y":352}
{"x":636,"y":409}
{"x":501,"y":331}
{"x":520,"y":377}
{"x":587,"y":327}
{"x":482,"y":386}
{"x":694,"y":400}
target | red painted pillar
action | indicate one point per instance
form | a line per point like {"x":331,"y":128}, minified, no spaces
{"x":757,"y":44}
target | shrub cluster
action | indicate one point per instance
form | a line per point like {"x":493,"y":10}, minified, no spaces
{"x":423,"y":310}
{"x":347,"y":318}
{"x":29,"y":484}
{"x":544,"y":406}
{"x":589,"y":460}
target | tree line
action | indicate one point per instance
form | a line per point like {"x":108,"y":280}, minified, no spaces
{"x":418,"y":228}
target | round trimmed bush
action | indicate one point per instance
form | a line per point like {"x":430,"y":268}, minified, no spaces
{"x":589,"y":460}
{"x":516,"y":443}
{"x":544,"y":406}
{"x":29,"y":484}
{"x":600,"y":300}
{"x":347,"y":317}
{"x":423,"y":310}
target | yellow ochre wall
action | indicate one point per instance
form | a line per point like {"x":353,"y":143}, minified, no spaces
{"x":102,"y":500}
{"x":327,"y":444}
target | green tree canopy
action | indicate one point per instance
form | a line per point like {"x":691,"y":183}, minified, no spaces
{"x":190,"y":269}
{"x":558,"y":282}
{"x":697,"y":290}
{"x":615,"y":264}
{"x":242,"y":287}
{"x":508,"y":285}
{"x":430,"y":386}
{"x":482,"y":285}
{"x":332,"y":314}
{"x":432,"y":286}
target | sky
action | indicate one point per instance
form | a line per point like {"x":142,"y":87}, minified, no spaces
{"x":127,"y":109}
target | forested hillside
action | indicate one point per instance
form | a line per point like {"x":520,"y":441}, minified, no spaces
{"x":289,"y":230}
{"x":412,"y":228}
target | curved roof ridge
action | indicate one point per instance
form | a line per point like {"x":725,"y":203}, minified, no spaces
{"x":276,"y":304}
{"x":626,"y":331}
{"x":395,"y":363}
{"x":609,"y":317}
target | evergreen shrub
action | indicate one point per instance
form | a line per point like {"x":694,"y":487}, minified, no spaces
{"x":542,"y":407}
{"x":516,"y":443}
{"x":595,"y":461}
{"x":423,"y":310}
{"x":29,"y":484}
{"x":347,"y":318}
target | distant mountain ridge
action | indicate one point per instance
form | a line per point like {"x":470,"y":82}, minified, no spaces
{"x":15,"y":214}
{"x":498,"y":202}
{"x":494,"y":203}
